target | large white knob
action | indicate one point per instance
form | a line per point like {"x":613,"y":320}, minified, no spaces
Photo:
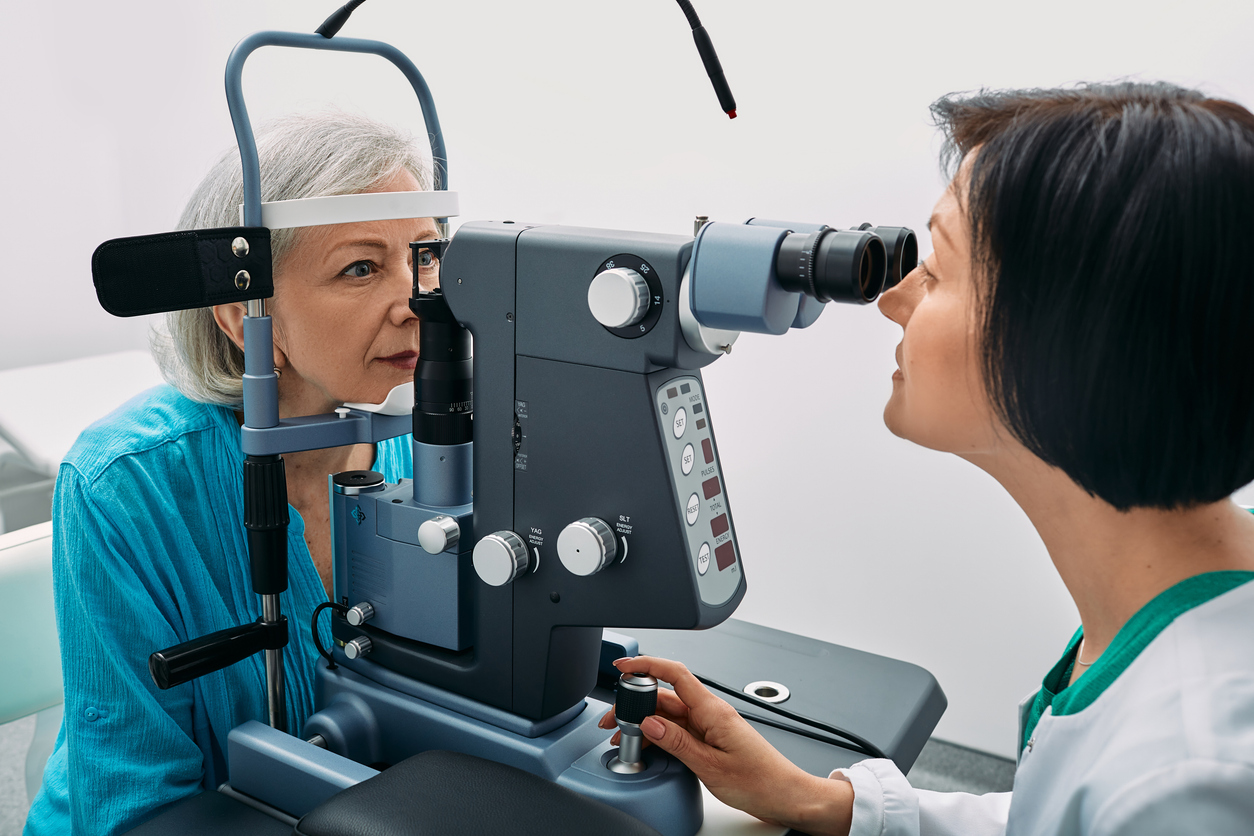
{"x":618,"y":297}
{"x":439,"y":534}
{"x":587,"y":546}
{"x":500,"y":558}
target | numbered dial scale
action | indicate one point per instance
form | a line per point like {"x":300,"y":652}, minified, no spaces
{"x":653,"y":312}
{"x":699,"y":490}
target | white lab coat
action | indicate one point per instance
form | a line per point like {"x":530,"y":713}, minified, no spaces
{"x":1167,"y":748}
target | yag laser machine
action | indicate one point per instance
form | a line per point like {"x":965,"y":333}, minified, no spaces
{"x":566,"y":479}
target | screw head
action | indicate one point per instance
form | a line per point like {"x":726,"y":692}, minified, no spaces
{"x":242,"y":280}
{"x":240,"y":247}
{"x":509,"y":317}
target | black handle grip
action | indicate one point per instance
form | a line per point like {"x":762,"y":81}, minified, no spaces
{"x":192,"y":659}
{"x":636,"y":698}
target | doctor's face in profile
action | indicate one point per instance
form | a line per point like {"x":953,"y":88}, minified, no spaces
{"x":938,"y":398}
{"x":343,"y":330}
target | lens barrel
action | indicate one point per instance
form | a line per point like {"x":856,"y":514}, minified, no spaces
{"x":444,"y":374}
{"x":833,"y":264}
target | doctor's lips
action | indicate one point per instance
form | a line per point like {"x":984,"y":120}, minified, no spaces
{"x":402,"y":360}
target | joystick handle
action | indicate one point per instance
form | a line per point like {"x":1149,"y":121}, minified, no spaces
{"x":636,"y":700}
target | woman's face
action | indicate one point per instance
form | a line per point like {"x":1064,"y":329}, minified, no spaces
{"x":343,"y":330}
{"x":938,"y":397}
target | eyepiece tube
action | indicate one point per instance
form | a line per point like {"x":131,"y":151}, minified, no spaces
{"x":833,"y":265}
{"x":903,"y":252}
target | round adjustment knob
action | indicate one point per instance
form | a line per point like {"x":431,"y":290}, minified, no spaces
{"x":357,"y":648}
{"x":439,"y":534}
{"x":500,"y":558}
{"x":360,"y":614}
{"x":587,"y":546}
{"x":618,"y":297}
{"x":636,"y":698}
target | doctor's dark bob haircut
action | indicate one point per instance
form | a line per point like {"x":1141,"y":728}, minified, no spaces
{"x":1111,"y":229}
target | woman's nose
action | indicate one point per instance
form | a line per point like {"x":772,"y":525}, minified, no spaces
{"x":899,"y":302}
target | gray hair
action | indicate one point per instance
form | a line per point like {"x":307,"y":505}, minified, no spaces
{"x":301,"y":155}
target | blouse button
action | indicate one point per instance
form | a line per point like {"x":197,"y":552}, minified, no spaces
{"x":93,"y":714}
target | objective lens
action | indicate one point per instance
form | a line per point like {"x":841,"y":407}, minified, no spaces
{"x":833,"y":265}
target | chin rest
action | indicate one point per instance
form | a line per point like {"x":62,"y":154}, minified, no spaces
{"x":451,"y":794}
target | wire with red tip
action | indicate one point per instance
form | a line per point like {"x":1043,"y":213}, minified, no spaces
{"x":705,"y":47}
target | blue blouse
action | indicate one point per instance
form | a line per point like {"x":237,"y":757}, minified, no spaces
{"x":149,"y":550}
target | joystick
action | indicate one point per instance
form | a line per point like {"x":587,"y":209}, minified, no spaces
{"x":636,"y":699}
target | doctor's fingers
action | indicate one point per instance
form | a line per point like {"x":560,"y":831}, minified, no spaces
{"x":687,"y":687}
{"x":669,"y":706}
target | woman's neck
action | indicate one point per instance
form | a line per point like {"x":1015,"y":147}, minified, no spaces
{"x":1115,"y":562}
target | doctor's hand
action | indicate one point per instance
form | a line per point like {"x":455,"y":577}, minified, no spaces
{"x":734,"y":762}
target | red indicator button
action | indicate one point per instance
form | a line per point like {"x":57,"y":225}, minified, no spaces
{"x":711,"y":487}
{"x":708,"y":449}
{"x":725,"y":555}
{"x":719,"y":524}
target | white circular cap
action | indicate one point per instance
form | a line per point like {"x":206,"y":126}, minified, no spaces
{"x":500,"y":558}
{"x":439,"y":534}
{"x":618,"y":297}
{"x":587,"y":546}
{"x":358,"y":647}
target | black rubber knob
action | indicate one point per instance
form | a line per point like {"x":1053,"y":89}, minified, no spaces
{"x":637,"y":698}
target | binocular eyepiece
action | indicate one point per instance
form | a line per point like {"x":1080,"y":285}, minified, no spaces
{"x":839,"y":265}
{"x":766,"y":276}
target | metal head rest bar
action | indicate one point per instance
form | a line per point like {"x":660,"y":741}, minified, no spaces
{"x":261,"y":399}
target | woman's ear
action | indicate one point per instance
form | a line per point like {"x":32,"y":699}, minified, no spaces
{"x":230,"y":319}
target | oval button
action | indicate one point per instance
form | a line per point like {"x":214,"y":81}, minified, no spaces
{"x":703,"y":559}
{"x":681,"y":421}
{"x":693,"y":509}
{"x":686,"y":459}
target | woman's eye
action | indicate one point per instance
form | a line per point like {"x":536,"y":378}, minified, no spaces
{"x":359,"y":270}
{"x":427,"y":260}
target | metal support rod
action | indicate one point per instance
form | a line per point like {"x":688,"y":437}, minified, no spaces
{"x":276,"y":688}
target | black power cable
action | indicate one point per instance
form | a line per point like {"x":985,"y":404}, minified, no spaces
{"x":860,"y":744}
{"x":313,"y":625}
{"x":338,"y":18}
{"x":705,"y":48}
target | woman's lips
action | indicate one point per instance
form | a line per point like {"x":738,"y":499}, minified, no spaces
{"x":403,"y":360}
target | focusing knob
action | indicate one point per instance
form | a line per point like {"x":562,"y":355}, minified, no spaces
{"x":439,"y":534}
{"x":360,"y":614}
{"x":618,"y":297}
{"x":357,"y":648}
{"x":500,"y":558}
{"x":587,"y":546}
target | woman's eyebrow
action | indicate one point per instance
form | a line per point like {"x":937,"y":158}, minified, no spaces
{"x":374,"y":243}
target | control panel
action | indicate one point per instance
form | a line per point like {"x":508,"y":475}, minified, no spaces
{"x":688,"y":439}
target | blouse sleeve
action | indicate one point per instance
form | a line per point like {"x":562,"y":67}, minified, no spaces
{"x":129,"y":747}
{"x":884,"y":804}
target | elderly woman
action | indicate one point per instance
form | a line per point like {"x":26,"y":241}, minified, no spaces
{"x":148,"y":547}
{"x":1082,"y":332}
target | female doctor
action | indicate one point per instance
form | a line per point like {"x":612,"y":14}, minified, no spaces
{"x":147,"y":546}
{"x":1084,"y":333}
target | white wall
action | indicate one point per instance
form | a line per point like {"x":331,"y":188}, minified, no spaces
{"x":599,"y":114}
